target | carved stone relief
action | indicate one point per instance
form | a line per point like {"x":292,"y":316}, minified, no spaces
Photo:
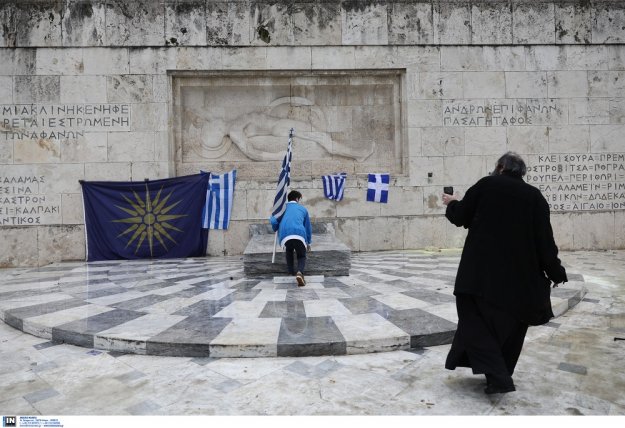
{"x":352,"y":120}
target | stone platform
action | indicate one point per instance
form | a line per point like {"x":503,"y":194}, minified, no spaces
{"x":207,"y":307}
{"x":329,"y":256}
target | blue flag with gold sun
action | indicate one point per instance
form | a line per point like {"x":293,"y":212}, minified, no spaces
{"x":145,"y":219}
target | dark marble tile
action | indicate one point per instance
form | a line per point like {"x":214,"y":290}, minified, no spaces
{"x":366,"y":305}
{"x":45,"y":345}
{"x":189,"y":292}
{"x":81,"y":332}
{"x":591,"y":300}
{"x":191,"y":337}
{"x":31,"y":280}
{"x":14,"y":322}
{"x":130,"y":376}
{"x":152,"y":286}
{"x":95,"y":293}
{"x":552,"y":324}
{"x":424,"y":328}
{"x":202,"y":361}
{"x":333,"y":283}
{"x":418,"y":351}
{"x":398,"y":273}
{"x":572,"y":368}
{"x":286,"y":309}
{"x":205,"y":308}
{"x":10,"y":295}
{"x":244,"y":295}
{"x":45,"y":308}
{"x":95,"y":281}
{"x":140,"y":302}
{"x":359,"y":291}
{"x":310,"y":337}
{"x":439,"y":276}
{"x":430,"y":296}
{"x":246,"y":285}
{"x":300,"y":294}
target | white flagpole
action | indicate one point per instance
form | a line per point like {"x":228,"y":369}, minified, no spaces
{"x":275,"y":241}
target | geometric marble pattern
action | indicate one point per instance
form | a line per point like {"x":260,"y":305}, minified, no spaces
{"x":205,"y":307}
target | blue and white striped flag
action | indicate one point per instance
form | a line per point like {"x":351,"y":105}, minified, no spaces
{"x":219,"y":196}
{"x":284,"y":180}
{"x":334,"y":185}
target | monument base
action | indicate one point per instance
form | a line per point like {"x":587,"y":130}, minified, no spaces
{"x":329,"y":256}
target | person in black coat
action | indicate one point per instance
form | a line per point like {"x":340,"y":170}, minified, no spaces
{"x":508,"y":263}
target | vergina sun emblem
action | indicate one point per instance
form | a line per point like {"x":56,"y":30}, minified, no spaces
{"x":149,"y":219}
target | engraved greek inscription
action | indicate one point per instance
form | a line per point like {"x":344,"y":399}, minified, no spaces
{"x":505,"y":113}
{"x":579,"y":182}
{"x":21,"y":204}
{"x":61,"y":121}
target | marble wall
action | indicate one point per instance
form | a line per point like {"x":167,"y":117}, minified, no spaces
{"x":92,"y":90}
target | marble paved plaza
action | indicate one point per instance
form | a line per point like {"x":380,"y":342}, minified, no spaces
{"x":206,"y":307}
{"x":571,"y":366}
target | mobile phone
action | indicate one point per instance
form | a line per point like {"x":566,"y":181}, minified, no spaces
{"x":448,"y":190}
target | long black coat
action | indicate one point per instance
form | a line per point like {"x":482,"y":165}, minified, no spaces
{"x":509,"y":255}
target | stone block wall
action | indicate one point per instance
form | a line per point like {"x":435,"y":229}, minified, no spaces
{"x":87,"y":92}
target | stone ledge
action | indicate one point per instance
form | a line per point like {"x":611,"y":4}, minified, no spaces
{"x":328,"y":257}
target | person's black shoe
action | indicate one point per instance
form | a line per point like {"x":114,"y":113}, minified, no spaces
{"x":495,"y":389}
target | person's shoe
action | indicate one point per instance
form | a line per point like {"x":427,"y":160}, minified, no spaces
{"x":300,"y":279}
{"x":495,"y":389}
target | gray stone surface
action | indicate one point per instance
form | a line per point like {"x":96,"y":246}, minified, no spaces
{"x":329,"y":256}
{"x":205,"y":307}
{"x":410,"y":383}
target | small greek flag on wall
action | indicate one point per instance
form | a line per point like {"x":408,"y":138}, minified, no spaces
{"x":377,"y":189}
{"x":334,"y":185}
{"x":219,"y":196}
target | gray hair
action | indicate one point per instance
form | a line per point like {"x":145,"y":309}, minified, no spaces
{"x":510,"y":164}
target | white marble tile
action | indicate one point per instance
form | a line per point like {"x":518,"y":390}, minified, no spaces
{"x":242,"y":309}
{"x":400,"y":301}
{"x":325,"y":308}
{"x":251,"y":337}
{"x":139,"y":329}
{"x":366,"y":330}
{"x":270,"y":295}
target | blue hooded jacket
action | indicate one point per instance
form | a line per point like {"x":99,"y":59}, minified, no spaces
{"x":295,"y":223}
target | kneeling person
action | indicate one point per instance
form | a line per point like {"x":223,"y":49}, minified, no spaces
{"x":295,"y":234}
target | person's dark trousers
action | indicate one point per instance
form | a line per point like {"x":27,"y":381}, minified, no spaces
{"x":297,"y":246}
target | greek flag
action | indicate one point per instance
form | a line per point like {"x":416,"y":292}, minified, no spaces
{"x":334,"y":185}
{"x":279,"y":202}
{"x":377,"y":188}
{"x":219,"y":195}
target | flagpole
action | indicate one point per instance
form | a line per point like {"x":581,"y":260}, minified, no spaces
{"x":275,"y":242}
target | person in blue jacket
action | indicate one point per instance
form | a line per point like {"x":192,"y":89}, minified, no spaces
{"x":295,"y":234}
